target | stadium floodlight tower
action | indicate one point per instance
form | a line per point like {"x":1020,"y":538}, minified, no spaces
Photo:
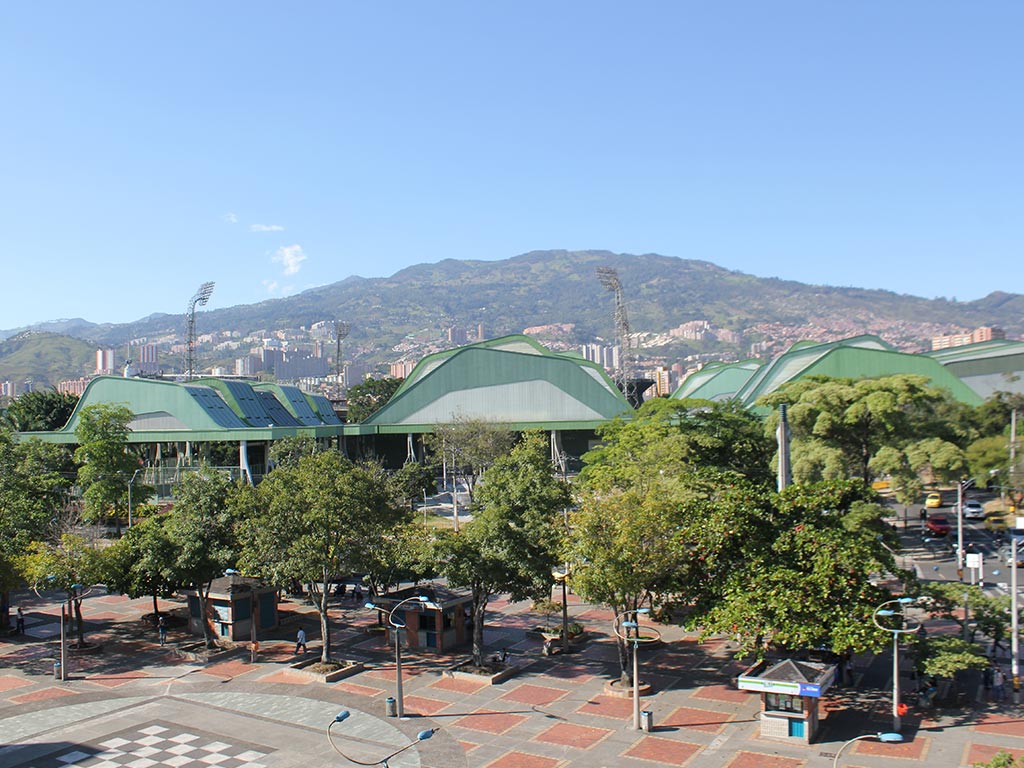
{"x":609,"y":278}
{"x":201,"y":297}
{"x":341,"y":331}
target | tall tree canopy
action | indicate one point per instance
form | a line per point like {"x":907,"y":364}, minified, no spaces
{"x":314,"y":520}
{"x":511,"y":544}
{"x":105,"y":465}
{"x":368,"y":397}
{"x":40,"y":411}
{"x":840,"y":425}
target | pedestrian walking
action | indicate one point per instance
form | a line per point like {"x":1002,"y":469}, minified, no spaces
{"x":357,"y":594}
{"x":19,"y":621}
{"x":998,"y":684}
{"x":161,"y":628}
{"x":924,"y":517}
{"x":300,"y":640}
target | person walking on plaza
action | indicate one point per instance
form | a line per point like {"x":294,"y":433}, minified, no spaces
{"x":300,"y":640}
{"x":161,"y":628}
{"x":998,"y":684}
{"x":20,"y":621}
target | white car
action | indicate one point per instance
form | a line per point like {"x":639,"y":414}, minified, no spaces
{"x":973,"y":510}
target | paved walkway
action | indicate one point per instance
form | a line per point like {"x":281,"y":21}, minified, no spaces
{"x":137,"y":704}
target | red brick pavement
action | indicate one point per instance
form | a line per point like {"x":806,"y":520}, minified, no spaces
{"x":41,"y":695}
{"x":524,"y":760}
{"x":696,"y":719}
{"x":571,"y":735}
{"x":663,"y":751}
{"x":534,"y":694}
{"x":983,"y":753}
{"x":1005,"y":725}
{"x":761,"y":760}
{"x":490,"y":721}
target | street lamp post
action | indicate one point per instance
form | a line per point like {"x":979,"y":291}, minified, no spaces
{"x":887,"y":738}
{"x":561,"y":576}
{"x":397,"y":627}
{"x":344,"y":715}
{"x":130,"y":484}
{"x":904,"y":628}
{"x":627,"y":625}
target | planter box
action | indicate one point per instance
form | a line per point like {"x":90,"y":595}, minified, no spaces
{"x":199,"y":652}
{"x":494,"y":678}
{"x":350,"y":668}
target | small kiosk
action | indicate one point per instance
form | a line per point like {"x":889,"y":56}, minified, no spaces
{"x":790,"y":691}
{"x":439,"y":624}
{"x":234,"y":604}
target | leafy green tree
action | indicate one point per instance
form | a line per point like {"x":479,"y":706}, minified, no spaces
{"x":468,"y":447}
{"x":813,"y":587}
{"x":73,"y":565}
{"x":938,"y":458}
{"x":199,"y":529}
{"x":904,"y":480}
{"x":142,"y":562}
{"x":411,"y":482}
{"x":511,"y":543}
{"x":992,"y":417}
{"x":1002,"y":760}
{"x":395,"y":555}
{"x":287,"y":451}
{"x":989,"y":615}
{"x":368,"y":397}
{"x":856,"y":418}
{"x":105,"y":465}
{"x":673,"y":437}
{"x":988,"y":455}
{"x":35,"y":479}
{"x":945,"y":655}
{"x":310,"y":522}
{"x":40,"y":411}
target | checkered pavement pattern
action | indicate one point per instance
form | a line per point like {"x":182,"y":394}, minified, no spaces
{"x":158,"y":745}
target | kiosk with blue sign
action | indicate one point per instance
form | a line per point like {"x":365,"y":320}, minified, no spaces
{"x":790,"y":691}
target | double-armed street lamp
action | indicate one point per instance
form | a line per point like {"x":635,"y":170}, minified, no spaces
{"x":622,"y":627}
{"x":898,"y":612}
{"x":383,"y":761}
{"x":397,"y":625}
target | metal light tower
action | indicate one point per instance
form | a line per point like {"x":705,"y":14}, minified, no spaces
{"x":201,"y":297}
{"x":624,"y":373}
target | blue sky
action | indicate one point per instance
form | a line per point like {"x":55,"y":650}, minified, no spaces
{"x":272,"y":147}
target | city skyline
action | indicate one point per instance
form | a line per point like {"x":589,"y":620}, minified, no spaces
{"x":272,"y":150}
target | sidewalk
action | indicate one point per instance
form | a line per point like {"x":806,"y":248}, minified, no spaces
{"x":138,"y":704}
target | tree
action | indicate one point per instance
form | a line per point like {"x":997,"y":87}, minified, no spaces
{"x":812,"y":587}
{"x":370,"y":396}
{"x":287,"y":451}
{"x":105,"y":466}
{"x":35,"y":478}
{"x":511,"y":543}
{"x":1002,"y":760}
{"x":310,"y":522}
{"x":72,"y":564}
{"x":142,"y":562}
{"x":199,"y":528}
{"x":412,"y":482}
{"x":855,"y":418}
{"x":40,"y":411}
{"x":943,"y":461}
{"x":468,"y":447}
{"x":945,"y":655}
{"x":670,"y":437}
{"x":989,"y":615}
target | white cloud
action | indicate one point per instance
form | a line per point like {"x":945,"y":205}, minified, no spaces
{"x":270,"y":286}
{"x":266,"y":228}
{"x":290,"y":257}
{"x":230,"y":218}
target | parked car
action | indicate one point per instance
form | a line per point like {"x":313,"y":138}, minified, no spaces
{"x":937,"y":525}
{"x":973,"y":510}
{"x":933,"y":500}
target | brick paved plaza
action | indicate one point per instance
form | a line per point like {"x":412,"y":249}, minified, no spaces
{"x":138,"y":704}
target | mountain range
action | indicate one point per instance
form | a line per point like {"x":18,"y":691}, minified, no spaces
{"x":537,"y":289}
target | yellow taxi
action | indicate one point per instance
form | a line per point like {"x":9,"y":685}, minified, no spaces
{"x":933,"y":500}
